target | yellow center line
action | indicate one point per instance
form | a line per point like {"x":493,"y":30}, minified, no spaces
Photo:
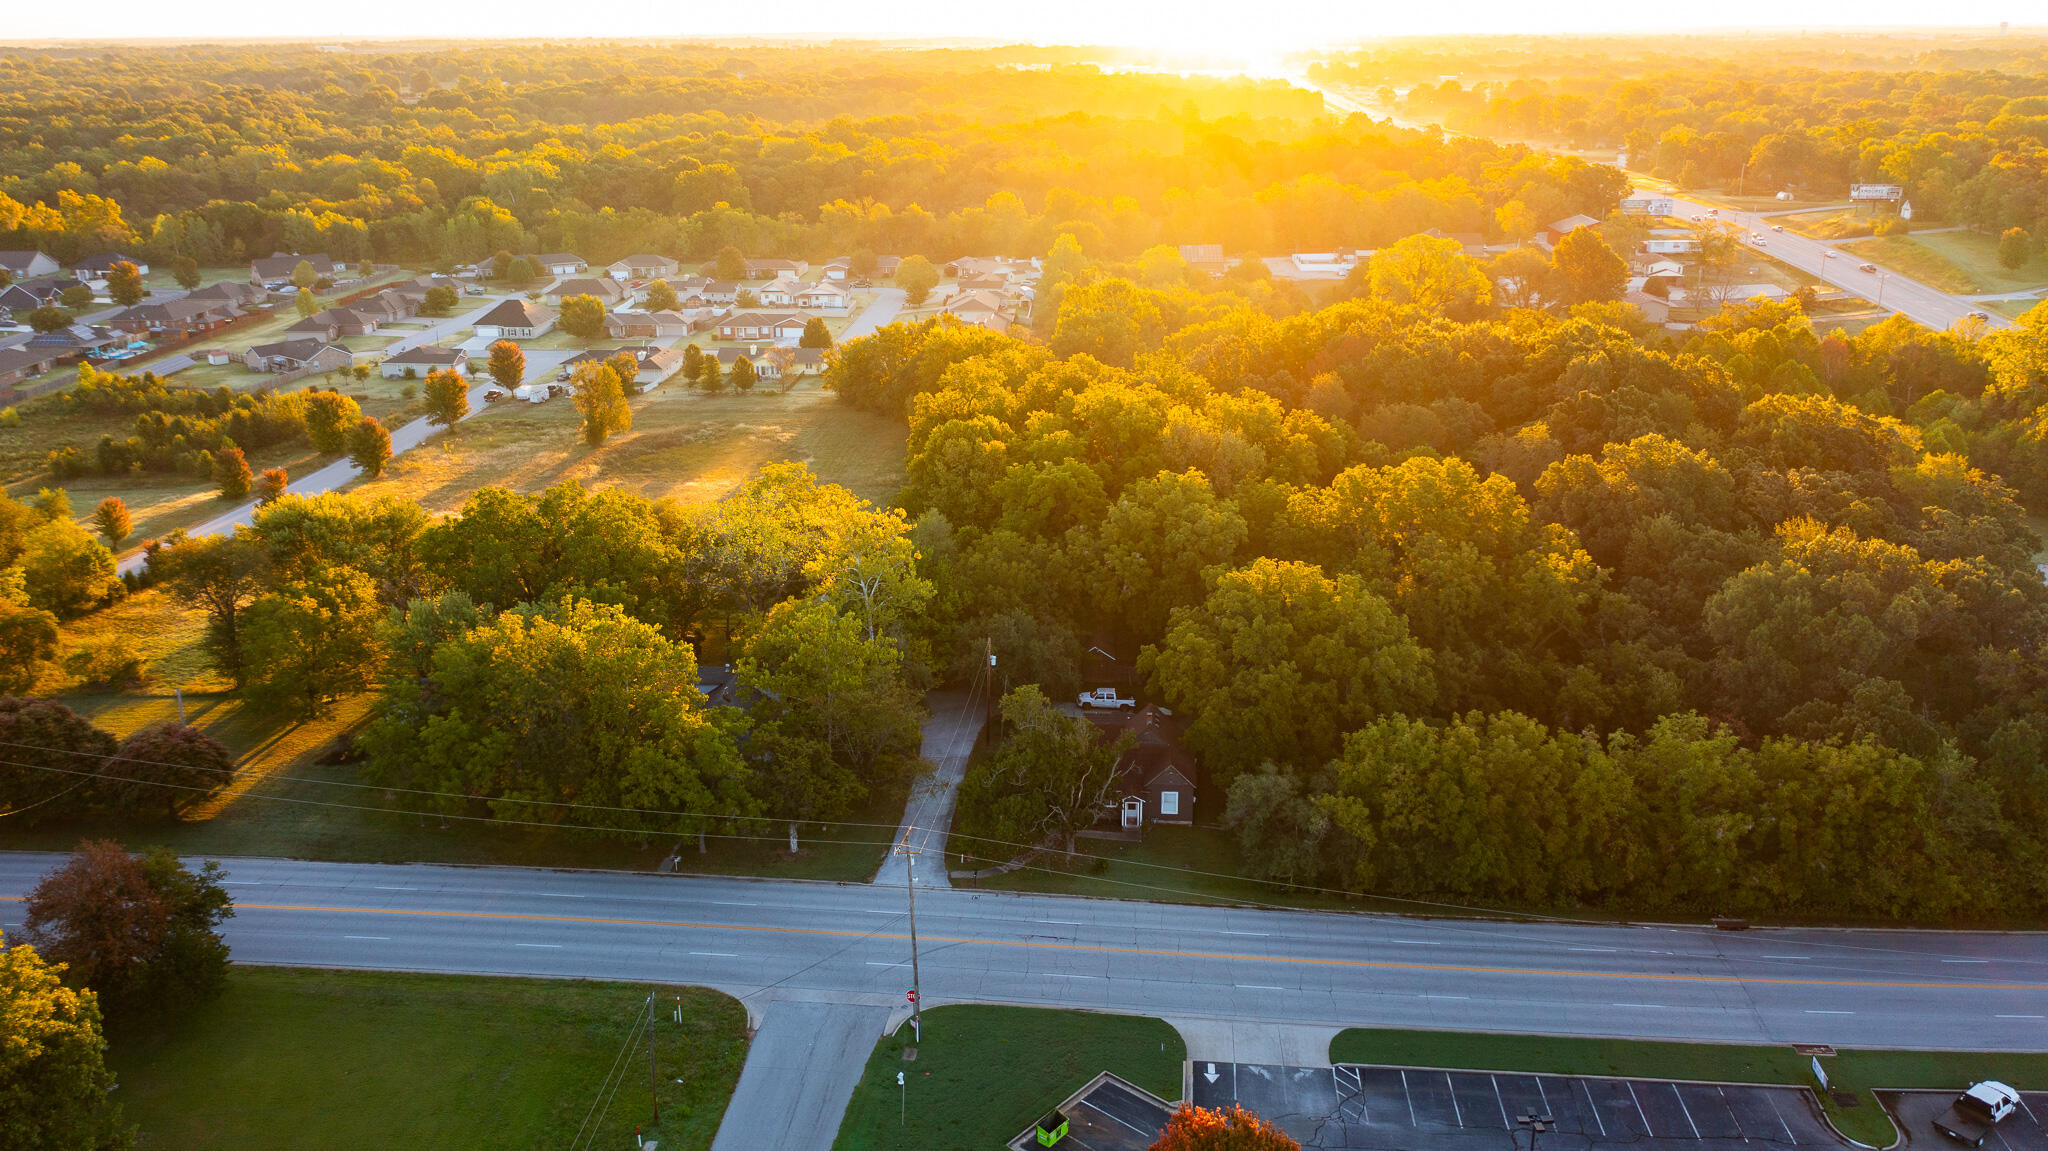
{"x":1373,"y":964}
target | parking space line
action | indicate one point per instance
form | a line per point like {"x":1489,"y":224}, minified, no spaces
{"x":1409,"y":1098}
{"x":1686,"y":1111}
{"x":1498,"y":1102}
{"x":1456,"y":1110}
{"x":1594,"y":1107}
{"x":1771,"y":1097}
{"x":2028,"y":1110}
{"x":1542,"y":1094}
{"x":1647,"y":1129}
{"x":1723,"y":1093}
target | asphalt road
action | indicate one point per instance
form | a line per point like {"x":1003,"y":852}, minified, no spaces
{"x":1887,"y":289}
{"x":953,"y":723}
{"x":766,"y":940}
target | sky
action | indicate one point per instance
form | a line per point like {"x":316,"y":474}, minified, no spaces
{"x":1240,"y":29}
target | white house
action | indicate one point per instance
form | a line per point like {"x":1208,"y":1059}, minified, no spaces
{"x":562,"y":264}
{"x":826,"y":296}
{"x":421,"y":360}
{"x":762,"y":326}
{"x":26,"y":265}
{"x":516,"y":320}
{"x":781,"y":292}
{"x":643,"y":267}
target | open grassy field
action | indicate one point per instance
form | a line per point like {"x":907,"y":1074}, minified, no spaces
{"x":684,"y":444}
{"x":347,"y":1060}
{"x":1962,"y":262}
{"x":1858,"y":1071}
{"x":984,"y":1073}
{"x":1828,"y":223}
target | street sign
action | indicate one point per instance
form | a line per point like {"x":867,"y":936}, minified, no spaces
{"x":1820,"y":1074}
{"x":1876,"y":192}
{"x":910,"y":995}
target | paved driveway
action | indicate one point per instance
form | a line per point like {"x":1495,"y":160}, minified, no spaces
{"x":1352,"y":1106}
{"x":1915,"y":1112}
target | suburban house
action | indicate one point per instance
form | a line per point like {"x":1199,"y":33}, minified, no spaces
{"x":239,"y":294}
{"x":399,"y":303}
{"x":1670,"y":245}
{"x":18,"y":300}
{"x":562,"y":264}
{"x":1206,"y":258}
{"x":983,"y":309}
{"x":307,"y":354}
{"x":648,"y":325}
{"x":822,"y":297}
{"x":767,"y":365}
{"x":18,"y":364}
{"x":762,"y":326}
{"x":808,"y":361}
{"x":1156,"y":777}
{"x":764,"y":269}
{"x":516,"y":320}
{"x":29,"y":265}
{"x":720,"y":291}
{"x":887,"y":265}
{"x":1558,"y":229}
{"x":608,"y":291}
{"x":79,"y":341}
{"x":1319,"y":265}
{"x":656,"y":364}
{"x":421,"y":360}
{"x":643,"y":267}
{"x":37,"y":292}
{"x":341,"y":321}
{"x":839,"y":268}
{"x":976,"y":267}
{"x":780,"y":292}
{"x":174,"y":317}
{"x":277,"y":268}
{"x":97,"y":267}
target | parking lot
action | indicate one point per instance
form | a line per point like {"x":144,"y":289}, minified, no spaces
{"x":1412,"y":1109}
{"x":1915,"y":1111}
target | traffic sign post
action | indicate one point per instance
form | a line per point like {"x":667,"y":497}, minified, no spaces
{"x":902,"y":1101}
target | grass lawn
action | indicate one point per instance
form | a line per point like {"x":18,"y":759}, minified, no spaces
{"x":1859,"y":1071}
{"x":983,"y":1073}
{"x":1828,"y":223}
{"x":325,"y":1059}
{"x":686,"y":445}
{"x":1961,"y":262}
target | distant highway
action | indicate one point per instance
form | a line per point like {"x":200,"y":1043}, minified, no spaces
{"x":766,"y":940}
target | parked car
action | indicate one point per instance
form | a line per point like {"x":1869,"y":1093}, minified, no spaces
{"x":1106,"y":697}
{"x":1975,"y":1112}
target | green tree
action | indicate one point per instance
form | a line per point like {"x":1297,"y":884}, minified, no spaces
{"x":573,"y":702}
{"x":329,"y":416}
{"x":369,"y":446}
{"x":49,"y":319}
{"x":222,"y":575}
{"x":1113,"y":320}
{"x":306,"y":303}
{"x":76,"y":297}
{"x":124,"y":284}
{"x":185,"y":270}
{"x":1048,"y":780}
{"x":64,"y":570}
{"x":447,"y":395}
{"x":507,"y":364}
{"x":304,"y":277}
{"x":1280,"y":661}
{"x":311,"y":641}
{"x":231,"y":473}
{"x":601,"y":397}
{"x":141,"y":932}
{"x":583,"y":317}
{"x":917,"y":277}
{"x":1155,"y":542}
{"x":1587,"y":269}
{"x":1280,"y":829}
{"x":1432,"y":274}
{"x":729,"y":264}
{"x":501,"y":265}
{"x":28,"y":639}
{"x":112,"y":521}
{"x":741,"y":377}
{"x":816,"y":334}
{"x":162,"y":770}
{"x":58,"y":1094}
{"x":661,"y":297}
{"x":1515,"y":221}
{"x":441,"y":300}
{"x":2014,"y":246}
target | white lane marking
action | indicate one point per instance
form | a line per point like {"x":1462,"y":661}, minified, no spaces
{"x":1064,"y":975}
{"x":1500,"y":1103}
{"x":1966,"y":961}
{"x":1260,"y":934}
{"x":1730,"y":1108}
{"x":1819,"y":1011}
{"x":550,"y":946}
{"x":1257,"y":987}
{"x":715,"y":954}
{"x":2020,"y":1017}
{"x":729,"y":903}
{"x":1061,"y":922}
{"x":558,"y":895}
{"x":1418,"y":942}
{"x":394,"y":889}
{"x":1647,"y":1129}
{"x":379,"y":938}
{"x":1447,"y":997}
{"x":1687,"y":1110}
{"x":242,"y":882}
{"x":1409,"y":1098}
{"x":879,"y":963}
{"x":1455,"y":1109}
{"x":1771,"y":1098}
{"x":1594,"y":949}
{"x":1784,"y":957}
{"x":1592,"y":1106}
{"x":1656,"y":1005}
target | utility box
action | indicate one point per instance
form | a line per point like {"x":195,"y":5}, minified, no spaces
{"x":1051,"y":1129}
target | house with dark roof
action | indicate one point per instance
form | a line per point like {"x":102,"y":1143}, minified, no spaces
{"x":306,"y":354}
{"x":720,"y":291}
{"x":1156,"y":778}
{"x":642,"y":267}
{"x":562,"y":264}
{"x":808,"y":361}
{"x":822,"y":297}
{"x":239,"y":294}
{"x":26,"y":265}
{"x":174,"y":317}
{"x":982,"y":308}
{"x":767,"y":364}
{"x":1558,"y":229}
{"x":43,"y":290}
{"x":769,"y":268}
{"x":516,"y":320}
{"x":421,"y":360}
{"x":608,"y":291}
{"x":762,"y":326}
{"x":15,"y":299}
{"x":79,"y":341}
{"x":97,"y":267}
{"x":18,"y":364}
{"x":277,"y":268}
{"x":648,"y":325}
{"x":342,"y":321}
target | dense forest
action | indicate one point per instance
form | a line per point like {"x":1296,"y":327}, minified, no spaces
{"x":1964,"y":128}
{"x":1740,"y":622}
{"x":445,"y":156}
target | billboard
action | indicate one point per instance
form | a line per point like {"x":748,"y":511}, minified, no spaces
{"x":1876,"y":192}
{"x":1647,"y":206}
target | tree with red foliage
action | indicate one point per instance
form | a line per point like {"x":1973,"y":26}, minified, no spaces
{"x":140,"y":932}
{"x":1200,"y":1129}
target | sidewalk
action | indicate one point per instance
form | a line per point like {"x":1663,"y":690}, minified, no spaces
{"x":802,"y":1067}
{"x":954,"y":723}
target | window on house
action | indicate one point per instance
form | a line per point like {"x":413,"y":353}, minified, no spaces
{"x":1169,"y":803}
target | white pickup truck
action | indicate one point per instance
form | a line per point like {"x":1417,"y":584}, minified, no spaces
{"x":1106,"y":697}
{"x":1975,"y":1112}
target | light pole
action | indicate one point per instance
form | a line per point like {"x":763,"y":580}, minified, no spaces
{"x":1537,"y":1125}
{"x":910,"y":887}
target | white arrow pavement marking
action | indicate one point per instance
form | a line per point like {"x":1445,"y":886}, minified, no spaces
{"x":1210,"y":1074}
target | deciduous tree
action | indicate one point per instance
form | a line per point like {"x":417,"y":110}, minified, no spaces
{"x":163,"y":770}
{"x":1587,"y":269}
{"x":270,"y":486}
{"x":583,"y":317}
{"x":124,"y":284}
{"x":140,"y":932}
{"x":231,"y":473}
{"x":112,"y":521}
{"x":1200,"y":1129}
{"x":816,"y":334}
{"x":917,"y":277}
{"x":661,"y":297}
{"x":311,"y":641}
{"x":601,"y":397}
{"x":369,"y":446}
{"x":185,"y":270}
{"x":56,"y":1093}
{"x":64,"y":570}
{"x":222,"y":575}
{"x":447,"y":393}
{"x":329,"y":416}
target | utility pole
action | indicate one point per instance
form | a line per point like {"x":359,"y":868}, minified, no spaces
{"x":910,"y":886}
{"x":988,"y":648}
{"x":653,"y":1088}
